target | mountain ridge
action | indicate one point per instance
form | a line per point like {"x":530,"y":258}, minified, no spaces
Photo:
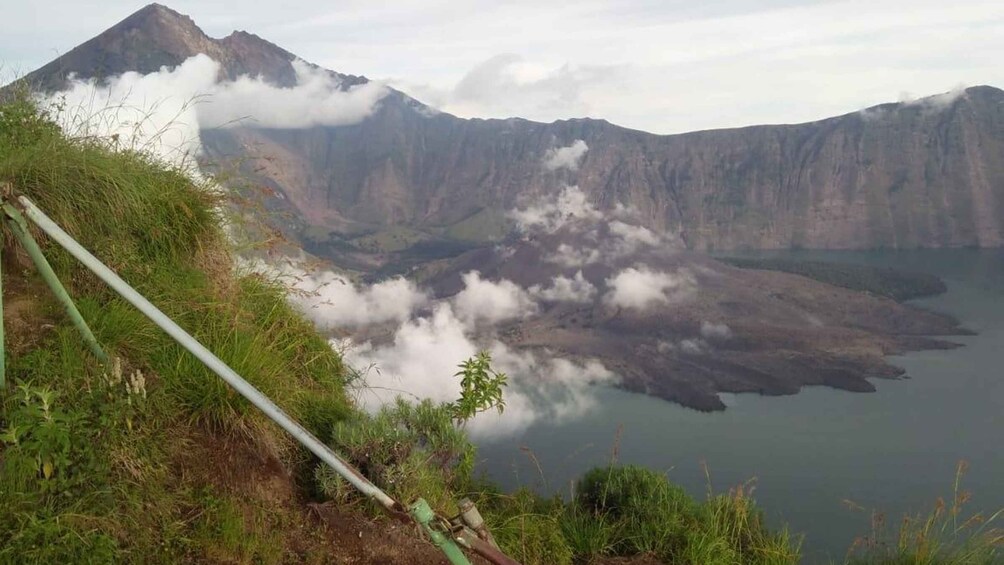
{"x":928,"y":173}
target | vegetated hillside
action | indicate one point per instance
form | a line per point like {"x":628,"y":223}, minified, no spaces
{"x":928,"y":173}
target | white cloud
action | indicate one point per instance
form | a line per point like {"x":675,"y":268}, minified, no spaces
{"x":692,"y":346}
{"x":566,"y":157}
{"x":486,"y":301}
{"x":430,"y":340}
{"x":570,"y":256}
{"x":550,"y":215}
{"x":936,"y":101}
{"x":316,"y":100}
{"x":641,"y":288}
{"x":422,"y":360}
{"x":604,"y":235}
{"x":715,"y":331}
{"x":689,"y":346}
{"x":503,"y":82}
{"x":927,"y":104}
{"x":331,"y":301}
{"x":564,"y":289}
{"x":740,"y":62}
{"x":163,"y":112}
{"x":634,"y":235}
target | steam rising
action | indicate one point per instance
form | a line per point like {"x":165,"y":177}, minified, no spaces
{"x":714,"y":331}
{"x":564,"y":289}
{"x":551,"y":215}
{"x":641,"y":288}
{"x":566,"y":157}
{"x":491,"y":302}
{"x":613,"y":232}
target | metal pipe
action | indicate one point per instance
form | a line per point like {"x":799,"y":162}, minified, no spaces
{"x":246,"y":389}
{"x":424,"y":515}
{"x":470,"y":540}
{"x":470,"y":517}
{"x":20,"y":230}
{"x":3,"y":349}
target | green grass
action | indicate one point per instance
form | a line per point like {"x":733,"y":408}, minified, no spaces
{"x":86,"y":467}
{"x":947,"y":535}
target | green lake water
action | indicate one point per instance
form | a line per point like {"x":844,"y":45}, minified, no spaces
{"x":894,"y":450}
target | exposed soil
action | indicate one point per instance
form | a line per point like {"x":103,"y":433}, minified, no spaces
{"x":27,"y":304}
{"x":313,"y":532}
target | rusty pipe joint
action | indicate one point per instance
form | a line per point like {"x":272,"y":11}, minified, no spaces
{"x":470,"y":517}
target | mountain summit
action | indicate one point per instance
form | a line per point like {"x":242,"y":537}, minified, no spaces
{"x":928,"y":173}
{"x":157,"y":36}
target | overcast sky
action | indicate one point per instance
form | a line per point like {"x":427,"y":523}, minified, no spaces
{"x":659,"y":65}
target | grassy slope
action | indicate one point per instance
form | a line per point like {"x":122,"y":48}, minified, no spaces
{"x":94,"y":468}
{"x":157,"y":461}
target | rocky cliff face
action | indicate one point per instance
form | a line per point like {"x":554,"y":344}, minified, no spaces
{"x":924,"y":174}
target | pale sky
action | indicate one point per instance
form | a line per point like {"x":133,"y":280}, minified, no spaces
{"x":663,"y":66}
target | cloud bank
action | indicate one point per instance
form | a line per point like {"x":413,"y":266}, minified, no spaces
{"x":508,"y":84}
{"x":163,"y":112}
{"x":422,"y":359}
{"x":431,"y":338}
{"x":331,"y":301}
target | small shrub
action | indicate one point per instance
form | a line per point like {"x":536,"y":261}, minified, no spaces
{"x":590,"y":536}
{"x":653,"y":514}
{"x":410,"y":450}
{"x":732,"y":530}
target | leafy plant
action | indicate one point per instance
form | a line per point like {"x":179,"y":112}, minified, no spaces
{"x":39,"y":432}
{"x":480,"y":388}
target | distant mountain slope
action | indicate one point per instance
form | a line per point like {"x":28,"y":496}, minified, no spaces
{"x":923,"y":174}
